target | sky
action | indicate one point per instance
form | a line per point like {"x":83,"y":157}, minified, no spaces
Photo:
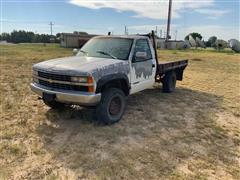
{"x":208,"y":17}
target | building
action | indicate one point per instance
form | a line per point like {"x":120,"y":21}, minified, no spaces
{"x":172,"y":44}
{"x":77,"y":40}
{"x":74,"y":40}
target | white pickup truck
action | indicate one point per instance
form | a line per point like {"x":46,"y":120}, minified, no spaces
{"x":103,"y":73}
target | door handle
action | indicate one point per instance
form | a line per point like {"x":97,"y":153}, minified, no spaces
{"x":153,"y":65}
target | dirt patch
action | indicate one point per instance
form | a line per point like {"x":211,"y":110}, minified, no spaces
{"x":190,"y":134}
{"x":195,"y":59}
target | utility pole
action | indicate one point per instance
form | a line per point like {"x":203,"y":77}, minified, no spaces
{"x":160,"y":33}
{"x":169,"y":20}
{"x":126,"y":30}
{"x":165,"y":34}
{"x":51,"y":25}
{"x":176,"y":35}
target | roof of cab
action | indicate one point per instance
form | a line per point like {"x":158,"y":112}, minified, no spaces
{"x":123,"y":36}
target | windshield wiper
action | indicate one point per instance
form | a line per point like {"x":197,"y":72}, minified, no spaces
{"x":84,"y":52}
{"x":108,"y":54}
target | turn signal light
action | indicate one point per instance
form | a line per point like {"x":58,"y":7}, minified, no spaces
{"x":90,"y":89}
{"x":90,"y":80}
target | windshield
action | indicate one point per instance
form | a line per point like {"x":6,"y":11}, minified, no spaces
{"x":115,"y":48}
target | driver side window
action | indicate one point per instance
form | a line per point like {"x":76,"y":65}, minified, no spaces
{"x":143,"y":47}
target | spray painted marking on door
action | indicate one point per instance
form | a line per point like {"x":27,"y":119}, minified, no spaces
{"x":121,"y":67}
{"x":143,"y":69}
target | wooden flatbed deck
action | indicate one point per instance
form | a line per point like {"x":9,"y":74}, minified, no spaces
{"x":165,"y":66}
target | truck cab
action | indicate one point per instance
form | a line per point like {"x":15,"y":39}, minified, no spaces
{"x":102,"y":74}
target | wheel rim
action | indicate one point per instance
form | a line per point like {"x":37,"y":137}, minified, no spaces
{"x":115,"y":106}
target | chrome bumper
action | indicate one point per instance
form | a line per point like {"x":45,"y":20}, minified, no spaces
{"x":71,"y":97}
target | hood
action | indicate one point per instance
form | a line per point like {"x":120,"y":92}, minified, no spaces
{"x":82,"y":65}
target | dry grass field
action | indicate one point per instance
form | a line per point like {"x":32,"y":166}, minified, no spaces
{"x":193,"y":133}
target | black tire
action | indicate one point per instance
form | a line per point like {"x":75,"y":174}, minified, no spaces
{"x":169,"y":82}
{"x":54,"y":104}
{"x":111,"y":108}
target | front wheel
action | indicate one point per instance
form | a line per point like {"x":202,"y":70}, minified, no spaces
{"x":111,"y":108}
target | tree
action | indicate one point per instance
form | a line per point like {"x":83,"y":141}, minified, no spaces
{"x":83,"y":33}
{"x":211,"y":41}
{"x":194,"y":35}
{"x":58,"y":35}
{"x":30,"y":37}
{"x":37,"y":38}
{"x":5,"y":37}
{"x":21,"y":36}
{"x":45,"y":38}
{"x":25,"y":37}
{"x":80,"y":33}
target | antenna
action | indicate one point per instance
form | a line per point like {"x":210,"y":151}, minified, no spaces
{"x":51,"y":25}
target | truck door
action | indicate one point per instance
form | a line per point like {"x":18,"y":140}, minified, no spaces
{"x":143,"y":66}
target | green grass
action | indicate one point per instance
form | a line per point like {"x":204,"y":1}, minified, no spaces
{"x":190,"y":134}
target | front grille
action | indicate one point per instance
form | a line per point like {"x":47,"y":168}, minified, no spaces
{"x":63,"y":86}
{"x":54,"y":76}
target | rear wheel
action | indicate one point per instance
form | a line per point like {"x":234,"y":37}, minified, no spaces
{"x":111,"y":108}
{"x":169,"y":82}
{"x":54,"y":104}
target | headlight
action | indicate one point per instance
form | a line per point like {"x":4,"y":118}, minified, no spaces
{"x":35,"y":73}
{"x":79,"y":79}
{"x":35,"y":80}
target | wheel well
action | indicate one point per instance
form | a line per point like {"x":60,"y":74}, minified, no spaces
{"x":117,"y":83}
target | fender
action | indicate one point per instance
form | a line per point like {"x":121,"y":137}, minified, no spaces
{"x":105,"y":79}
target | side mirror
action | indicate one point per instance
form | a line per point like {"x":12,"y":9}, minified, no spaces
{"x":75,"y":51}
{"x":140,"y":56}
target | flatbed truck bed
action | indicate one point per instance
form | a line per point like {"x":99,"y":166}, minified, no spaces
{"x":165,"y":66}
